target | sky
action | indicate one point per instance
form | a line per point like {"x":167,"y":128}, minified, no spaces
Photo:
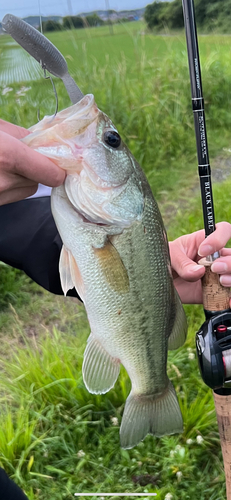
{"x":23,"y":8}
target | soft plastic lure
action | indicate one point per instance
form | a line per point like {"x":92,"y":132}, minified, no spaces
{"x":39,"y":47}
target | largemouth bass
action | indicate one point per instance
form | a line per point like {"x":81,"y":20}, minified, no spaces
{"x":115,"y":253}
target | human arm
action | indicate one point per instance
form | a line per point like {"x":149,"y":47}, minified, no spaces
{"x":10,"y":490}
{"x":185,"y":253}
{"x":29,"y":240}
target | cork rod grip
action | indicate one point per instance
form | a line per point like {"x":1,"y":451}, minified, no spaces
{"x":215,"y":296}
{"x":223,"y":411}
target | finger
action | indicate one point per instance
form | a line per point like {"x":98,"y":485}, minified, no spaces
{"x":225,"y":280}
{"x":183,"y":265}
{"x":11,"y":181}
{"x":225,"y":252}
{"x":22,"y":160}
{"x":189,"y":243}
{"x":189,"y":294}
{"x":222,"y":265}
{"x":17,"y":194}
{"x":13,"y":130}
{"x":217,"y":240}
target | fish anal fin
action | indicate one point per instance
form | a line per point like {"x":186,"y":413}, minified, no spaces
{"x":112,"y":267}
{"x":178,"y":334}
{"x":100,"y":369}
{"x":65,"y":271}
{"x":149,"y":414}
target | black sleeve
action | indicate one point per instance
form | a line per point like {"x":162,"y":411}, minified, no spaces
{"x":29,"y":241}
{"x":9,"y":490}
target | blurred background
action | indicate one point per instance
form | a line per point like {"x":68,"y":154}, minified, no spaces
{"x":56,"y":438}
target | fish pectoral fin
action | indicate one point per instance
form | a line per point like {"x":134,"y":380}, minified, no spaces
{"x":112,"y":267}
{"x":100,"y":369}
{"x":65,"y":271}
{"x":70,"y":275}
{"x":150,"y":414}
{"x":178,"y":334}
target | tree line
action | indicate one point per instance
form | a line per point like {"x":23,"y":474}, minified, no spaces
{"x":76,"y":22}
{"x":70,"y":22}
{"x":210,"y":15}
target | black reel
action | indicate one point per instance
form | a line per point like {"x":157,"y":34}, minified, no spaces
{"x":213,"y":342}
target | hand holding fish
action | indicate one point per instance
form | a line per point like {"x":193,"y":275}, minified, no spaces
{"x":187,"y":250}
{"x":21,"y":168}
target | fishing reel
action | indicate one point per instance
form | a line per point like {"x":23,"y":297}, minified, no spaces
{"x":213,"y":343}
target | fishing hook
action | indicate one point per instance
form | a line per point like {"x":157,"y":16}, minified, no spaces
{"x":55,"y":93}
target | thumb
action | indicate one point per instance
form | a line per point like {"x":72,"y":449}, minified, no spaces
{"x":186,"y":268}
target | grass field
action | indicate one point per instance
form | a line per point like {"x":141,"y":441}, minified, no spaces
{"x":56,"y":438}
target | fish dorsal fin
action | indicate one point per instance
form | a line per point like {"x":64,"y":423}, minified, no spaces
{"x":100,"y":369}
{"x":70,"y":275}
{"x":113,"y":267}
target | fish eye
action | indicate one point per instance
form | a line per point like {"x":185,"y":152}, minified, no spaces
{"x":112,"y":138}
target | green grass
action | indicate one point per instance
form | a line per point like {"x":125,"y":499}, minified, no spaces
{"x":55,"y":437}
{"x":58,"y":438}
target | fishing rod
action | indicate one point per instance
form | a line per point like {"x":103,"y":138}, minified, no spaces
{"x":213,"y":340}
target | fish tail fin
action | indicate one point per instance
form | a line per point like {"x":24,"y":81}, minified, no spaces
{"x":150,"y":415}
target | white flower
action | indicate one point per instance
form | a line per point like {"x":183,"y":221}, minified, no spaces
{"x":81,"y":454}
{"x":6,"y":90}
{"x":200,"y":439}
{"x":179,"y":475}
{"x":169,"y":496}
{"x":191,"y":355}
{"x":25,"y":89}
{"x":172,"y":453}
{"x":189,"y":441}
{"x":22,"y":91}
{"x":114,"y":421}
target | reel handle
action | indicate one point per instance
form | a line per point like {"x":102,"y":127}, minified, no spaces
{"x":215,"y":296}
{"x":216,"y":299}
{"x":223,"y":411}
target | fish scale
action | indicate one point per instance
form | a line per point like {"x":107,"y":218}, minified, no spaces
{"x":115,"y":253}
{"x":148,"y":367}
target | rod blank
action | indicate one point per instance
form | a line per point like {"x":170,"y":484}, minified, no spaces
{"x":199,"y":116}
